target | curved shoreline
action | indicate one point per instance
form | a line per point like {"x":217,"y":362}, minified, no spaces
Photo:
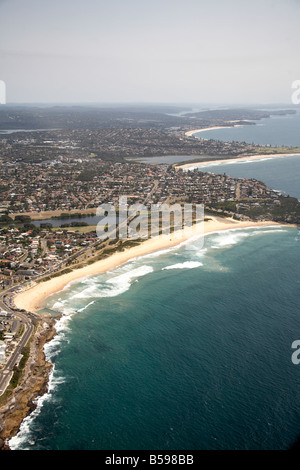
{"x":230,"y":126}
{"x":34,"y":298}
{"x":238,"y":159}
{"x":189,"y":133}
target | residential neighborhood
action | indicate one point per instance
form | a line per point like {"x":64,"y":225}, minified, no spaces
{"x":31,"y":246}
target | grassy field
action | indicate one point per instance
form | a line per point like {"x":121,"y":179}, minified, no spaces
{"x":276,"y":150}
{"x":85,"y":229}
{"x":49,"y":214}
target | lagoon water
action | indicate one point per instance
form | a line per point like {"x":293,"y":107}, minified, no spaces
{"x":89,"y":220}
{"x":188,"y":348}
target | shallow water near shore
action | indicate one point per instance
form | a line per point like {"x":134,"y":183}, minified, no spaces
{"x":188,"y":349}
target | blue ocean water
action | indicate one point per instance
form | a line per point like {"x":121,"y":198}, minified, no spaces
{"x":279,"y":173}
{"x":277,"y":131}
{"x":188,"y":348}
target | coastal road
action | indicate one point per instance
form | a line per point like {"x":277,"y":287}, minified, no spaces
{"x":7,"y":372}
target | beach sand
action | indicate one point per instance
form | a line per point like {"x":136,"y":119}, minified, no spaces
{"x":238,"y":159}
{"x":34,"y":298}
{"x":189,"y":133}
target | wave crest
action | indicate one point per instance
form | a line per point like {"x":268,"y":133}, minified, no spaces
{"x":185,"y":265}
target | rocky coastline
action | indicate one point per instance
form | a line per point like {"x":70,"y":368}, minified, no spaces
{"x":21,"y":401}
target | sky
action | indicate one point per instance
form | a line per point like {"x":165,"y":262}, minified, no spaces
{"x":142,"y":51}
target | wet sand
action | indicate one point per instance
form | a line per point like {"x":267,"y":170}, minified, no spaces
{"x":34,"y":298}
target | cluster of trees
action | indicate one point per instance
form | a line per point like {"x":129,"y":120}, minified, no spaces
{"x":19,"y":219}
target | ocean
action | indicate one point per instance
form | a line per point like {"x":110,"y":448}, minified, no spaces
{"x":277,"y":131}
{"x":184,"y":349}
{"x":279,"y":173}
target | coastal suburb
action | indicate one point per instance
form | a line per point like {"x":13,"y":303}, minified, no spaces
{"x":56,"y":172}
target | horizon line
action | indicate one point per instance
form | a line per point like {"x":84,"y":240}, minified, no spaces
{"x":141,"y":103}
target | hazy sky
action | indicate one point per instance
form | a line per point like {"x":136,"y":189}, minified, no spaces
{"x":201,"y":51}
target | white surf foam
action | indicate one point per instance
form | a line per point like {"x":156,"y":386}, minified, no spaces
{"x":185,"y":265}
{"x":259,"y":232}
{"x":53,"y":348}
{"x":114,"y":286}
{"x":233,"y":236}
{"x":228,"y":238}
{"x":24,"y":439}
{"x":84,"y":308}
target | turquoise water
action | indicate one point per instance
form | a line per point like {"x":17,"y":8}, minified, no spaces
{"x":189,"y":348}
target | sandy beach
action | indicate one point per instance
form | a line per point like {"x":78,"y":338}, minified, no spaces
{"x":33,"y":298}
{"x":238,"y":159}
{"x":189,"y":133}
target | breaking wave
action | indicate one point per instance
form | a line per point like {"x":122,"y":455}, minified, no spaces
{"x":185,"y":265}
{"x":25,"y":438}
{"x":113,"y":286}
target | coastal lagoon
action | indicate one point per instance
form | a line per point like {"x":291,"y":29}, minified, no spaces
{"x":187,"y":348}
{"x":58,"y":222}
